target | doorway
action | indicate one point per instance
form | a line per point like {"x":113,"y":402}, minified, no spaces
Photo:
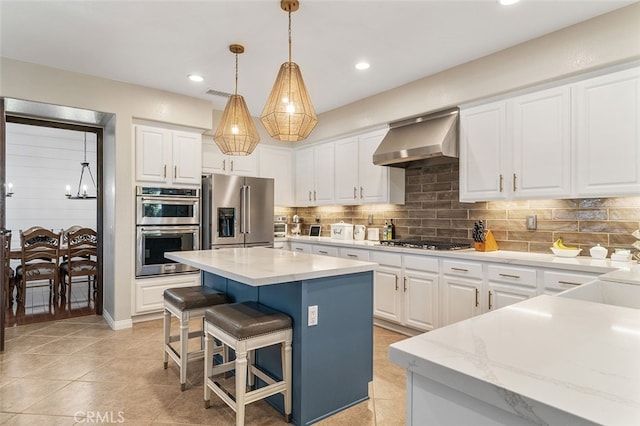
{"x":55,"y":120}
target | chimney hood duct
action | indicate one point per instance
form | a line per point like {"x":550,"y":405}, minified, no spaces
{"x":434,"y":135}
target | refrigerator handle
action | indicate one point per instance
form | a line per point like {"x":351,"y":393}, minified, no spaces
{"x":243,"y":215}
{"x":248,"y":208}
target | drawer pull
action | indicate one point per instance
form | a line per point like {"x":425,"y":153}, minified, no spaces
{"x":477,"y":297}
{"x":323,"y":252}
{"x":489,"y":299}
{"x":516,"y":277}
{"x":352,"y":255}
{"x":459,"y":269}
{"x":299,"y":249}
{"x":568,"y":282}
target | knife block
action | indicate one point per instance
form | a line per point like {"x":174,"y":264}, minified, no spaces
{"x":489,"y":244}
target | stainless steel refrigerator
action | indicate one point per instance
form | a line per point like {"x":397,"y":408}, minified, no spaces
{"x":237,"y":211}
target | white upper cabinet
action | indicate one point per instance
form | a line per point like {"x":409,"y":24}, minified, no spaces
{"x":607,"y":135}
{"x":214,"y":161}
{"x":358,"y":180}
{"x":277,"y":163}
{"x":168,"y":157}
{"x":571,"y":141}
{"x":314,"y":175}
{"x":540,"y":133}
{"x":518,"y":148}
{"x":482,"y":152}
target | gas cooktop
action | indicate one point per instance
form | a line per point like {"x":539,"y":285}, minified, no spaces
{"x":426,"y":245}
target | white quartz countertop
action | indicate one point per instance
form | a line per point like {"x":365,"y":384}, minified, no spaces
{"x":579,"y":357}
{"x":543,"y":260}
{"x":258,"y":266}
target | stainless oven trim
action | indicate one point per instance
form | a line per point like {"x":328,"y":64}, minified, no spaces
{"x":146,"y":199}
{"x":165,"y":268}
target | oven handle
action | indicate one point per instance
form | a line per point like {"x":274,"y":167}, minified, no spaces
{"x":159,"y":230}
{"x":170,"y":200}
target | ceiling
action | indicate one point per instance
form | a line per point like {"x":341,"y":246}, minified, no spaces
{"x":158,"y":43}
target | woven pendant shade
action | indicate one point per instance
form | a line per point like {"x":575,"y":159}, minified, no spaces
{"x":288,"y":114}
{"x":236,"y":134}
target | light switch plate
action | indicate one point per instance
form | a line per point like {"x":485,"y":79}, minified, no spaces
{"x":532,"y":222}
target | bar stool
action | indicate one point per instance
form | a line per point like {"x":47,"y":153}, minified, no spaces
{"x":245,"y":327}
{"x":186,"y":303}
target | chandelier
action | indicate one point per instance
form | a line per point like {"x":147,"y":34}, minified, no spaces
{"x":288,"y":114}
{"x":82,"y":193}
{"x":236,"y":133}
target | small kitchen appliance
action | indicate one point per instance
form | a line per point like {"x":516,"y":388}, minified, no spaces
{"x":296,"y":228}
{"x":280,"y":227}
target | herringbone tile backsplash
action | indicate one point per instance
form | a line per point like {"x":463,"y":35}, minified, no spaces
{"x":432,"y":211}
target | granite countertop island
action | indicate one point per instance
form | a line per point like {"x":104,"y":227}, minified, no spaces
{"x":332,"y":352}
{"x":549,"y":360}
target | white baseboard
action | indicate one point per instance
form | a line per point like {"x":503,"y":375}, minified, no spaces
{"x":116,"y":325}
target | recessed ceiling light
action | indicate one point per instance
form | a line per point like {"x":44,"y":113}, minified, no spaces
{"x":362,"y":66}
{"x":508,"y":2}
{"x":195,"y":77}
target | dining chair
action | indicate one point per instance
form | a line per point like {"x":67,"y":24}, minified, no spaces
{"x":9,"y":273}
{"x":40,"y":259}
{"x":80,"y":260}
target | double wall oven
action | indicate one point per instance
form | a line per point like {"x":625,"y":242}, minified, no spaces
{"x":167,"y":219}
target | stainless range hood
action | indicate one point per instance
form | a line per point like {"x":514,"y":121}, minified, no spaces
{"x":434,"y":135}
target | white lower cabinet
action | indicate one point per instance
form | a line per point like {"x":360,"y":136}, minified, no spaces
{"x":386,"y":285}
{"x":406,"y":290}
{"x":149,"y":292}
{"x":509,"y":284}
{"x":462,"y":284}
{"x":554,"y":281}
{"x":420,"y":285}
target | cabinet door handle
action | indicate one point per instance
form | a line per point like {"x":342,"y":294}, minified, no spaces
{"x":501,"y":183}
{"x":405,"y":284}
{"x":314,"y":196}
{"x":354,"y":192}
{"x":309,"y":195}
{"x":361,"y":196}
{"x":396,"y":283}
{"x":224,"y":165}
{"x":568,"y":282}
{"x":515,"y":179}
{"x":477,"y":297}
{"x":175,"y":172}
{"x":164,"y":173}
{"x":459,"y":269}
{"x":516,"y":277}
{"x":489,"y":300}
{"x":231,"y":165}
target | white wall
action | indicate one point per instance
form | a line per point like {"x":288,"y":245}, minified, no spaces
{"x":41,"y":161}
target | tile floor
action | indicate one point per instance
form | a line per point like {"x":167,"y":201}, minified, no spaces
{"x":79,"y":371}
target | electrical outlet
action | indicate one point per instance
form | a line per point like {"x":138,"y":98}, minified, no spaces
{"x":371,"y":219}
{"x":313,"y":315}
{"x":532,"y":222}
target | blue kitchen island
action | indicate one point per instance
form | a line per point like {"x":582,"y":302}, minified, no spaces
{"x":332,"y":360}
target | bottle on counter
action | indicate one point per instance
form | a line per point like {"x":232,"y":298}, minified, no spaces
{"x":385,"y":231}
{"x":392,"y":231}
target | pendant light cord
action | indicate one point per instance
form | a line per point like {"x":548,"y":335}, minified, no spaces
{"x":236,"y":92}
{"x":289,"y":36}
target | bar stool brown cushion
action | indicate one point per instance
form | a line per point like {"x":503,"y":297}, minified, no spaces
{"x":194,"y":297}
{"x":247,"y":319}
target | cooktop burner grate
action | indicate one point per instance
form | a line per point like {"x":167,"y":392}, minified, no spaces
{"x":427,"y":245}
